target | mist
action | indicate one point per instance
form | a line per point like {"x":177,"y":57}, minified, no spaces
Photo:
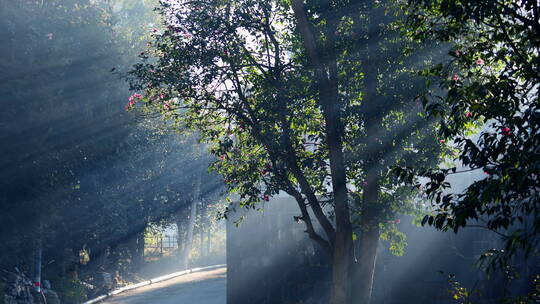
{"x":265,"y":152}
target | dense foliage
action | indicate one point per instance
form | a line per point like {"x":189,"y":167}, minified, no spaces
{"x":490,"y":79}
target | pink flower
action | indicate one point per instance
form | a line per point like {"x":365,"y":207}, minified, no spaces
{"x":221,"y":157}
{"x":505,"y":131}
{"x":134,"y":96}
{"x":457,"y":52}
{"x":455,"y":77}
{"x":50,"y":36}
{"x":266,"y":198}
{"x":479,"y":61}
{"x":130,"y":105}
{"x":166,"y":106}
{"x":442,"y":141}
{"x":468,"y":114}
{"x":161,"y":96}
{"x":397,"y":221}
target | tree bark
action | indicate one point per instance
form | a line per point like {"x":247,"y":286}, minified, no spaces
{"x":369,"y":240}
{"x":326,"y":74}
{"x":191,"y":224}
{"x":201,"y":238}
{"x":180,"y":235}
{"x":208,"y":242}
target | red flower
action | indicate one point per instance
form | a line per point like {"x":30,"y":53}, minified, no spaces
{"x":222,"y":157}
{"x":141,"y":53}
{"x":505,"y":131}
{"x":468,"y":114}
{"x":266,"y":198}
{"x":455,"y":77}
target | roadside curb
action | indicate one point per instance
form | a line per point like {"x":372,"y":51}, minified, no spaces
{"x":149,"y":282}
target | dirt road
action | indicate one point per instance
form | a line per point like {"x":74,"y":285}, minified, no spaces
{"x":205,"y":287}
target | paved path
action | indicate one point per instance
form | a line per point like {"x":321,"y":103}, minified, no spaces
{"x":204,"y":287}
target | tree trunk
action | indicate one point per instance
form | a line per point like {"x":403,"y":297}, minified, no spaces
{"x":201,"y":239}
{"x":208,"y":242}
{"x":326,"y":72}
{"x":191,"y":225}
{"x":138,"y":253}
{"x":180,"y":236}
{"x":367,"y":257}
{"x":36,"y":271}
{"x":369,"y":221}
{"x":369,"y":237}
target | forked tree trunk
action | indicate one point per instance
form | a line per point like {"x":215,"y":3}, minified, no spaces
{"x":326,"y":72}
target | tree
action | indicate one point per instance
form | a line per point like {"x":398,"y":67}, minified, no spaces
{"x":490,"y":78}
{"x":78,"y":172}
{"x":309,"y":99}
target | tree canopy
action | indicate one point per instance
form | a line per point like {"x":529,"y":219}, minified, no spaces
{"x":490,"y":81}
{"x":315,"y":100}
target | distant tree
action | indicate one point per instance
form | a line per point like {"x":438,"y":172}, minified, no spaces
{"x":491,"y":78}
{"x":76,"y":169}
{"x":312,"y":99}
